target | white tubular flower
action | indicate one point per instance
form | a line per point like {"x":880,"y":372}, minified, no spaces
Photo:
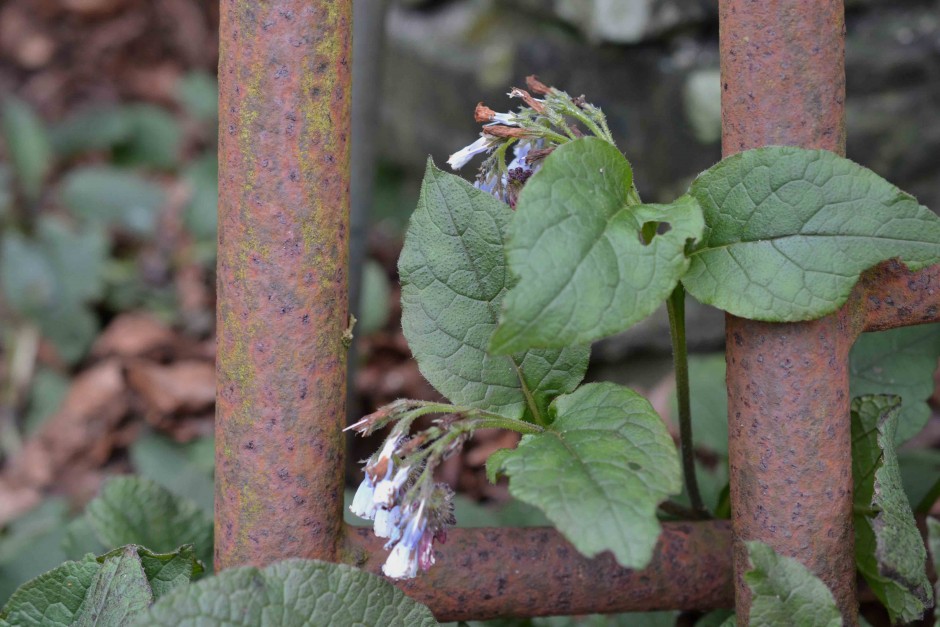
{"x":460,"y":158}
{"x":386,"y":490}
{"x":388,"y":523}
{"x":402,"y":562}
{"x":508,"y":119}
{"x":362,"y":504}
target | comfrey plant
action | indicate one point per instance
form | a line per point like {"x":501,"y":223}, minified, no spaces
{"x":506,"y":282}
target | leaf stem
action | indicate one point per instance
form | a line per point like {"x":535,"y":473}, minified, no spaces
{"x":680,"y":356}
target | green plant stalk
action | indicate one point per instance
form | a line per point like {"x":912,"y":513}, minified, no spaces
{"x":680,"y":356}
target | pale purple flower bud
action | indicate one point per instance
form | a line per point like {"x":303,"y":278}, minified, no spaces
{"x":426,"y":551}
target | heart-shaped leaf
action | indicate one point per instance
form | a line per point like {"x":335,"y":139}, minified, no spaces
{"x":454,"y":276}
{"x":889,"y":550}
{"x":599,"y":472}
{"x":789,"y":231}
{"x":585,"y":268}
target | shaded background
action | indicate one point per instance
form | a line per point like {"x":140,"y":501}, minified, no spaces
{"x":108,"y":199}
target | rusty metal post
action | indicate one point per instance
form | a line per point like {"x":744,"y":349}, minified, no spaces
{"x":492,"y":573}
{"x":284,"y":85}
{"x":783,"y":82}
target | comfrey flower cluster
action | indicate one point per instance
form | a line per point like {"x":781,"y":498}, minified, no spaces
{"x":533,"y":132}
{"x":398,"y":492}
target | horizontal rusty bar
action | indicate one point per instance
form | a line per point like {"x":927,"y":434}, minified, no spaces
{"x":894,"y":296}
{"x":524,"y":572}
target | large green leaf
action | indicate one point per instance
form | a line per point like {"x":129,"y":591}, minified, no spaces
{"x":118,"y":592}
{"x":789,"y":231}
{"x":454,"y":276}
{"x":901,"y":362}
{"x":583,"y":269}
{"x":108,"y":591}
{"x":599,"y":472}
{"x":786,"y":593}
{"x":28,"y":146}
{"x":889,"y":550}
{"x":113,"y":197}
{"x":53,"y":598}
{"x":131,"y":510}
{"x":291,"y":593}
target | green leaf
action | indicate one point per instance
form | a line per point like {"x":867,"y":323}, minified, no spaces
{"x":454,"y":276}
{"x":155,"y":138}
{"x":790,"y":230}
{"x":201,"y":216}
{"x":600,"y":472}
{"x":902,"y":362}
{"x":109,"y":590}
{"x":889,"y":550}
{"x":199,"y":94}
{"x":94,"y":129}
{"x":717,"y":618}
{"x":168,"y":463}
{"x":131,"y":510}
{"x":920,"y":472}
{"x":118,"y":592}
{"x":71,"y":329}
{"x":709,"y":398}
{"x":26,"y":275}
{"x":293,"y":592}
{"x":786,"y":593}
{"x":27,"y":145}
{"x":575,"y":245}
{"x":31,"y":544}
{"x":933,"y":540}
{"x":53,"y":598}
{"x":164,"y":571}
{"x":113,"y":197}
{"x":45,"y":396}
{"x":373,"y":308}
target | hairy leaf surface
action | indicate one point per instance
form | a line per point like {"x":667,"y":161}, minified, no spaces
{"x":599,"y":472}
{"x":786,"y":593}
{"x":293,"y":592}
{"x":789,"y":231}
{"x":889,"y":550}
{"x":584,"y":270}
{"x":454,"y":277}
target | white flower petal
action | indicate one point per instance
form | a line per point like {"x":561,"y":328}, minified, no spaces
{"x":402,"y":563}
{"x":460,"y":158}
{"x":362,"y":504}
{"x":387,"y":523}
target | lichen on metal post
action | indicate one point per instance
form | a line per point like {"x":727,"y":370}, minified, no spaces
{"x":783,"y":82}
{"x":284,"y":85}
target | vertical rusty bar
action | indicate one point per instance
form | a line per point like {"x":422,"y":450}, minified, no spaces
{"x":284,"y":100}
{"x":783,"y":82}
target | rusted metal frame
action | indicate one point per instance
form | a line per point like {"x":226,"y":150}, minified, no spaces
{"x":519,"y":572}
{"x":284,"y":100}
{"x":783,"y":83}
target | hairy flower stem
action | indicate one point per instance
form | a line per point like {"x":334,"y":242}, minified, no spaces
{"x":680,"y":356}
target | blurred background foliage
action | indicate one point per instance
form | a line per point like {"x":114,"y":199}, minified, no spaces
{"x":108,"y":199}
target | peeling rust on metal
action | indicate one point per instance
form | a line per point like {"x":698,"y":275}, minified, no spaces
{"x":284,"y":84}
{"x":516,"y":572}
{"x":783,"y":83}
